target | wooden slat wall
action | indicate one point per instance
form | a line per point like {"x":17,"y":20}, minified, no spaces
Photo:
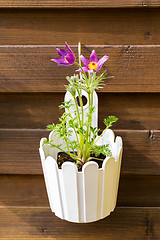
{"x":78,"y":3}
{"x":19,"y":151}
{"x":139,"y":111}
{"x":53,"y":27}
{"x":39,"y":223}
{"x":30,"y":191}
{"x":31,"y":89}
{"x":29,"y":68}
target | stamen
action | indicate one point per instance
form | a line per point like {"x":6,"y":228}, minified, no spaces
{"x":92,"y":65}
{"x":66,"y":60}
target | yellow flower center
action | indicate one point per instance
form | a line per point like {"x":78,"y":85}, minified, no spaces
{"x":66,"y":60}
{"x":92,"y":65}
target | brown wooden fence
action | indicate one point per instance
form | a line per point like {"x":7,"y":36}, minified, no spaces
{"x":31,"y":88}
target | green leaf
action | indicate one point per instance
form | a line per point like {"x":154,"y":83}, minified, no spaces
{"x":102,"y":149}
{"x":51,"y":127}
{"x":111,"y":119}
{"x":66,"y":104}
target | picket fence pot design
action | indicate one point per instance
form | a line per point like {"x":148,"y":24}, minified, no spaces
{"x":85,"y":196}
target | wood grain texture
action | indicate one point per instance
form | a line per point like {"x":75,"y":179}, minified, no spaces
{"x":19,"y":151}
{"x":139,"y":191}
{"x":54,"y":26}
{"x":31,"y":89}
{"x":23,"y":190}
{"x":78,"y":4}
{"x":29,"y":190}
{"x":40,"y":223}
{"x":134,"y":110}
{"x":29,"y":68}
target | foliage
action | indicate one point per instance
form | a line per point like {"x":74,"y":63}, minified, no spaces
{"x":72,"y":123}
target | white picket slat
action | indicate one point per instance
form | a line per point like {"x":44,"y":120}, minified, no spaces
{"x":109,"y":172}
{"x":90,"y":179}
{"x":54,"y":186}
{"x":61,"y":184}
{"x":43,"y":150}
{"x":117,"y":178}
{"x":69,"y":171}
{"x":81,"y":197}
{"x":99,"y":193}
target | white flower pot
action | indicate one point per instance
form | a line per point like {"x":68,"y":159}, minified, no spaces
{"x":85,"y":196}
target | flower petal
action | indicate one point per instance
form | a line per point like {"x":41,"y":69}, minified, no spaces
{"x":93,"y":57}
{"x":68,"y":47}
{"x":85,"y":69}
{"x":59,"y":61}
{"x":70,"y":58}
{"x":84,"y":60}
{"x":62,"y":53}
{"x":102,"y":61}
{"x":64,"y":64}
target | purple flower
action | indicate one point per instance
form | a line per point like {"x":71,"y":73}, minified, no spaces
{"x":67,"y":57}
{"x":93,"y":65}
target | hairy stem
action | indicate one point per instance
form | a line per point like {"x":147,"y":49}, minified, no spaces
{"x":79,"y":54}
{"x":99,"y":137}
{"x":80,"y":99}
{"x":83,"y":73}
{"x":74,"y":129}
{"x":80,"y":134}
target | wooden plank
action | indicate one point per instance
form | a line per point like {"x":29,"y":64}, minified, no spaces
{"x":134,"y":190}
{"x":79,"y":4}
{"x":29,"y":68}
{"x":40,"y":223}
{"x":23,"y":190}
{"x":134,"y":111}
{"x":39,"y":26}
{"x":19,"y":151}
{"x":139,"y":191}
{"x":76,"y":4}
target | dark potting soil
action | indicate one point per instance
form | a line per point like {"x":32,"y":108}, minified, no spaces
{"x":64,"y":157}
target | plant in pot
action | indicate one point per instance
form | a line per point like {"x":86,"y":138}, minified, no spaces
{"x":81,"y":167}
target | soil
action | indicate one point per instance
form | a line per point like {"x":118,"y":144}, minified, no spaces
{"x":64,"y":157}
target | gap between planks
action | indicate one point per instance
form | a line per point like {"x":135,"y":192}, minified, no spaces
{"x":43,"y":207}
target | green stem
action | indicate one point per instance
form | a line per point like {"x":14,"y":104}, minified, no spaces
{"x":79,"y":54}
{"x":63,"y":126}
{"x":80,"y":99}
{"x":83,"y":73}
{"x":74,"y":129}
{"x":70,"y":154}
{"x":65,"y":139}
{"x":99,"y":136}
{"x":86,"y":150}
{"x":73,"y":151}
{"x":77,"y":109}
{"x":80,"y":135}
{"x":91,"y":116}
{"x":88,"y":159}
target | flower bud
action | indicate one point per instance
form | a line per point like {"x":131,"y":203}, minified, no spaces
{"x":74,"y":78}
{"x":72,"y":91}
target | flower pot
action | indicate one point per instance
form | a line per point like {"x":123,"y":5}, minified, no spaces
{"x":85,"y":196}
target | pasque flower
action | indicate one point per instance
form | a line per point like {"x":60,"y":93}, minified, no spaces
{"x":84,"y":143}
{"x":93,"y":65}
{"x":67,"y":57}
